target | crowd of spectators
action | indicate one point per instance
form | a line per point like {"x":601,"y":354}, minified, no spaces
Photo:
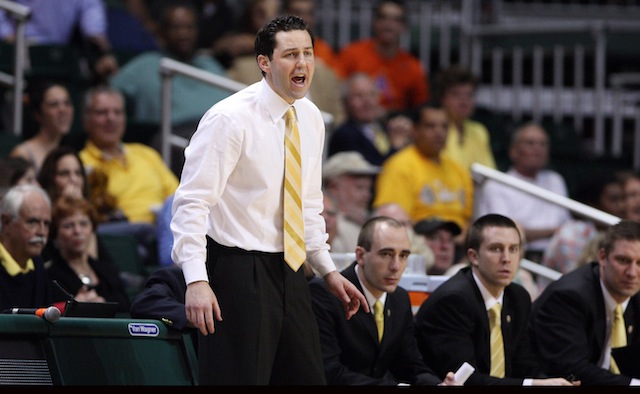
{"x":373,"y":109}
{"x":399,"y":147}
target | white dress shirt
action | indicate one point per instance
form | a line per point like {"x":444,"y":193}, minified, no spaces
{"x":232,"y":181}
{"x":526,"y":209}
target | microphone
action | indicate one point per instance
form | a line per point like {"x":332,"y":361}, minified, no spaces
{"x":69,"y":295}
{"x":50,"y":314}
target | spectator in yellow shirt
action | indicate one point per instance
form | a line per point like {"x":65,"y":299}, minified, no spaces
{"x":469,"y":141}
{"x":424,"y":181}
{"x":137,"y":175}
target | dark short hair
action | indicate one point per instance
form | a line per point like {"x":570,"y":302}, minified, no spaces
{"x":377,"y":10}
{"x":415,"y":114}
{"x":47,"y":173}
{"x":13,"y":168}
{"x":475,"y":236}
{"x":38,"y":89}
{"x":452,"y":76}
{"x":266,"y":37}
{"x":627,"y":230}
{"x":166,"y":17}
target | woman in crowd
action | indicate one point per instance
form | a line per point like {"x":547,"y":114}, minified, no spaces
{"x":52,"y":110}
{"x":71,"y":265}
{"x":62,"y":173}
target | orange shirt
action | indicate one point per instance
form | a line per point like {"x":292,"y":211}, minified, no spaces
{"x":324,"y":51}
{"x":402,"y":79}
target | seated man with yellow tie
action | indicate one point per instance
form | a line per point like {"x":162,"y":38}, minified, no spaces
{"x":573,"y":322}
{"x":376,"y":348}
{"x":480,"y":315}
{"x":368,"y":129}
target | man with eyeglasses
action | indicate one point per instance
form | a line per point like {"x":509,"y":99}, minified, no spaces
{"x":25,"y":217}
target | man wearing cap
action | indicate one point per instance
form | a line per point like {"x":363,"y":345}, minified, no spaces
{"x":439,"y":235}
{"x":349,"y":179}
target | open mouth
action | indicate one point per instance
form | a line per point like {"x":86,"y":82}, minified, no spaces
{"x":299,"y":80}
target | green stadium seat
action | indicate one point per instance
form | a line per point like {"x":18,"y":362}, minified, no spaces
{"x":123,"y":250}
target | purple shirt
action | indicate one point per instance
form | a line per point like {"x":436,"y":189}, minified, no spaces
{"x":53,"y":21}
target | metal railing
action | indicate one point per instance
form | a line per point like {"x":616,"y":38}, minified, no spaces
{"x":565,"y":96}
{"x":20,"y":14}
{"x":416,"y":273}
{"x":481,"y":173}
{"x":626,"y":105}
{"x":168,"y":69}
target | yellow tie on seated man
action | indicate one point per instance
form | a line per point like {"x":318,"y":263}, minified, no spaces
{"x":497,"y":344}
{"x":618,"y":336}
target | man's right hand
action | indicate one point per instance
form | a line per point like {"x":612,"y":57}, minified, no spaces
{"x":202,"y":305}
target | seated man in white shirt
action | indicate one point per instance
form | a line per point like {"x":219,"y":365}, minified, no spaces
{"x":529,"y":154}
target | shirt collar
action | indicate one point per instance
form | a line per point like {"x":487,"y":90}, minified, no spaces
{"x":488,"y":299}
{"x":11,"y":265}
{"x":276,"y":105}
{"x":370,"y":298}
{"x":609,"y":302}
{"x":98,"y":154}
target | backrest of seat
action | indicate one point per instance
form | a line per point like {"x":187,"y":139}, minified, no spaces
{"x":123,"y":250}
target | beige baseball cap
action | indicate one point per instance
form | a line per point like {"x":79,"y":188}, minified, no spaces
{"x":349,"y":162}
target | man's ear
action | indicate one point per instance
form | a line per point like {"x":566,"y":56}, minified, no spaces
{"x":360,"y":254}
{"x":264,"y":63}
{"x":5,"y":219}
{"x":472,"y":255}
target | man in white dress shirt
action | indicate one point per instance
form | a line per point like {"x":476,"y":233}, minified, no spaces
{"x":529,"y":154}
{"x":228,"y":225}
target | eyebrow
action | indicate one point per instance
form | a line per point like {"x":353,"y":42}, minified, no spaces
{"x":392,"y":250}
{"x":297,"y":49}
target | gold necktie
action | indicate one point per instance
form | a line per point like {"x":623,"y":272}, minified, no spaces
{"x":294,"y":249}
{"x":380,"y":139}
{"x":618,"y":335}
{"x":378,"y":313}
{"x":497,"y":345}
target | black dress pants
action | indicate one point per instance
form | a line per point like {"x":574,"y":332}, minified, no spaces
{"x":268,"y":334}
